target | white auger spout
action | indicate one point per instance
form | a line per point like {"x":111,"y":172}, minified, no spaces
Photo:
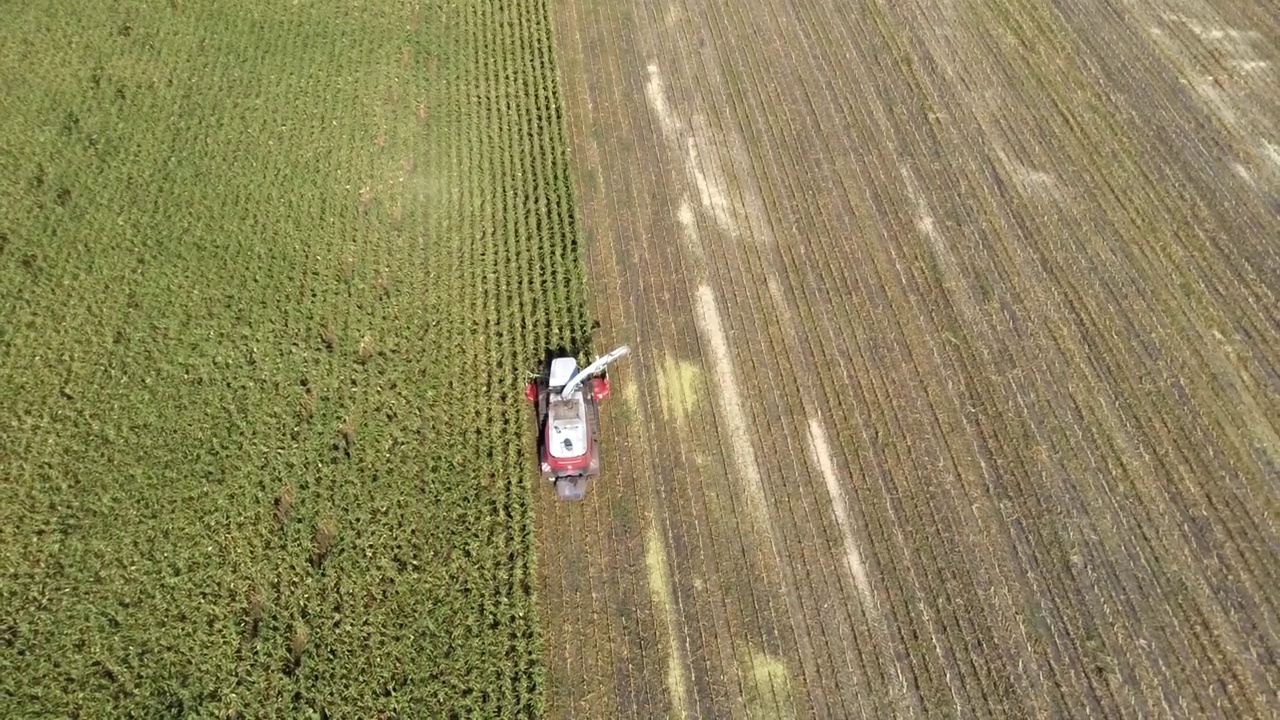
{"x":592,"y":369}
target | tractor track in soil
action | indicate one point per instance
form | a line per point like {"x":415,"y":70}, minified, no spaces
{"x":954,"y":386}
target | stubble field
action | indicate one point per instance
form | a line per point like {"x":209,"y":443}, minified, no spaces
{"x":955,"y":389}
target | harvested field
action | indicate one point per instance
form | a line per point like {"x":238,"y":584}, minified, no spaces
{"x":957,"y":377}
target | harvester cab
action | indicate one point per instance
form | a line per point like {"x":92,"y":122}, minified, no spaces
{"x":568,"y":405}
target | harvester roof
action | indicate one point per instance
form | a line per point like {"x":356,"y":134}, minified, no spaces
{"x":562,"y":369}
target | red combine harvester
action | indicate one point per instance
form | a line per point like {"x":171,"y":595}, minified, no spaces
{"x":568,"y":404}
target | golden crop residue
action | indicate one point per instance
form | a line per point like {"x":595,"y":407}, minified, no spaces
{"x":678,"y":384}
{"x":767,"y":690}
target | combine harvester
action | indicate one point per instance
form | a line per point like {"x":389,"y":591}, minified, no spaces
{"x":568,"y":403}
